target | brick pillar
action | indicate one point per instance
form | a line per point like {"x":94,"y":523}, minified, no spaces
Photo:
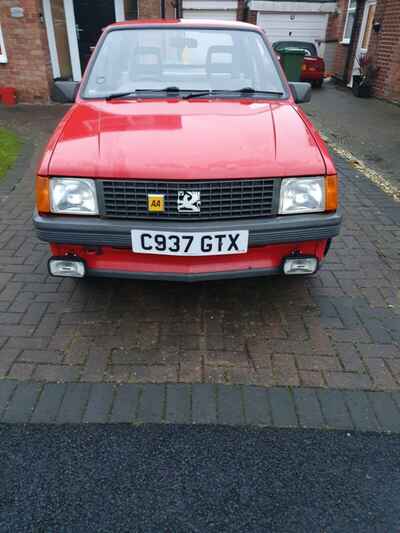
{"x":149,"y":9}
{"x":251,"y":17}
{"x":241,"y":10}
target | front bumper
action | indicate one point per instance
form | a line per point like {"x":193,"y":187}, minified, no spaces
{"x":117,"y":233}
{"x":105,"y":245}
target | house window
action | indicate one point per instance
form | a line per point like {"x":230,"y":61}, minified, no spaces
{"x":350,"y":18}
{"x":3,"y":55}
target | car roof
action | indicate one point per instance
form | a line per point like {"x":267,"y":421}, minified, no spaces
{"x":184,"y":23}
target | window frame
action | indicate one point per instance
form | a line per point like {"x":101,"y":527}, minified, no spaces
{"x":350,"y":11}
{"x":3,"y":52}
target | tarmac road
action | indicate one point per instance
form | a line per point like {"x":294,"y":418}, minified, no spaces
{"x":187,"y":478}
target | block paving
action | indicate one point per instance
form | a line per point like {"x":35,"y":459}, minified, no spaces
{"x":24,"y":402}
{"x":339,"y":329}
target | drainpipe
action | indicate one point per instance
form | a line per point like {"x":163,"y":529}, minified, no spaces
{"x":354,"y":31}
{"x":162,"y":9}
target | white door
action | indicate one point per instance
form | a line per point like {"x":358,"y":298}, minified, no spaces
{"x":365,"y":36}
{"x":211,"y":14}
{"x":308,"y":27}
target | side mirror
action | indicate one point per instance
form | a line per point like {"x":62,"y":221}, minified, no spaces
{"x":64,"y":92}
{"x":301,"y":91}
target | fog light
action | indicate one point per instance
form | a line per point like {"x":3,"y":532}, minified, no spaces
{"x":300,"y":265}
{"x":71,"y":268}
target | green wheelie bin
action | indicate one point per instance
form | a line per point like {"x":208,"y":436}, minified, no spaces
{"x":292,"y":60}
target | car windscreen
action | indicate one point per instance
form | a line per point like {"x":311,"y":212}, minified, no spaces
{"x":188,"y":59}
{"x":309,"y":48}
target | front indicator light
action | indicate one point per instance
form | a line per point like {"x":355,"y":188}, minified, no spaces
{"x":42,"y":194}
{"x":331,"y":192}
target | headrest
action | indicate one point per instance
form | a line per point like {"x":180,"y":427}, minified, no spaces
{"x":218,"y":66}
{"x":142,"y":51}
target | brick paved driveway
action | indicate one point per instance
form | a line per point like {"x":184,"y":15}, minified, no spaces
{"x":339,"y":329}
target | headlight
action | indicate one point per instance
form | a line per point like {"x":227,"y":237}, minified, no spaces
{"x":302,"y":195}
{"x":73,"y":196}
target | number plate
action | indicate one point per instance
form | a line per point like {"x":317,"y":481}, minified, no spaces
{"x":199,"y":243}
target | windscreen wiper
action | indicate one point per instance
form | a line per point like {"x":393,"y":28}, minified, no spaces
{"x":113,"y":96}
{"x":197,"y":94}
{"x":251,"y":90}
{"x":216,"y":92}
{"x":172,"y":90}
{"x":137,"y":92}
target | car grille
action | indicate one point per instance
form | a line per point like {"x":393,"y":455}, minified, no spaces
{"x":220,"y":199}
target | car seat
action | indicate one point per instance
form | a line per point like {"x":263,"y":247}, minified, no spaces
{"x":217,"y":68}
{"x":147,"y":63}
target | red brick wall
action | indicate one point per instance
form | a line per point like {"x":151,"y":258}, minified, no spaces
{"x":28,"y":67}
{"x":384,"y":49}
{"x":332,"y":30}
{"x":241,"y":10}
{"x":151,"y":9}
{"x":251,"y":17}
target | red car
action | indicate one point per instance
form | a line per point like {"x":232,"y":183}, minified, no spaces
{"x":313,"y":69}
{"x":185,"y":157}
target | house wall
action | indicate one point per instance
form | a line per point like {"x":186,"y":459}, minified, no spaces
{"x":384,"y":48}
{"x":241,"y":10}
{"x":151,"y":9}
{"x":251,"y":16}
{"x":332,"y":40}
{"x":28,"y":68}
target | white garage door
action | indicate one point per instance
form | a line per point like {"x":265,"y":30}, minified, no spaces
{"x":216,"y":14}
{"x":310,"y":27}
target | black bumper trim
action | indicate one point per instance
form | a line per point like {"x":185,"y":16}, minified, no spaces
{"x":116,"y":233}
{"x":189,"y":278}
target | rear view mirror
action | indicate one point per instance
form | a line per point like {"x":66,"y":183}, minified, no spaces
{"x":64,"y":92}
{"x":301,"y":91}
